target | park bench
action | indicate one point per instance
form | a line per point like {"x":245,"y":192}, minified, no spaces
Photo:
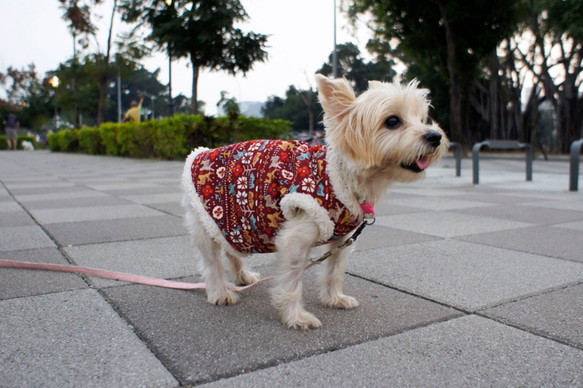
{"x":501,"y":145}
{"x":574,"y":167}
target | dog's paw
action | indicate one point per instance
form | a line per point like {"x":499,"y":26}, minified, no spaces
{"x":244,"y":278}
{"x":303,"y":320}
{"x":341,"y":302}
{"x":227,"y":298}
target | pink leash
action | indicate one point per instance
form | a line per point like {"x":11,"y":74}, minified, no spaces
{"x":124,"y":277}
{"x":367,"y":209}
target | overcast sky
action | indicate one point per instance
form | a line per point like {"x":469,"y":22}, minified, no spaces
{"x":301,"y":38}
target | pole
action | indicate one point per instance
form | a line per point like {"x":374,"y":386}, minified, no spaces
{"x":170,"y":103}
{"x":335,"y":52}
{"x":118,"y":98}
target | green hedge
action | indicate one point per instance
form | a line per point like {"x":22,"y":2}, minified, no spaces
{"x":21,"y":138}
{"x":170,"y":138}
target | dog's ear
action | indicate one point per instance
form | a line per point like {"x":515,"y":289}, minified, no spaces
{"x":336,"y":95}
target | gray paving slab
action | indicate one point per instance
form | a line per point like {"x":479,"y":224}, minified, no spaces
{"x":464,"y":275}
{"x":169,"y":257}
{"x":17,"y":238}
{"x":15,"y":218}
{"x":557,"y":314}
{"x":562,"y":243}
{"x":79,"y":192}
{"x":571,"y":225}
{"x":8,"y":207}
{"x":464,"y":352}
{"x":447,"y":224}
{"x":174,"y":197}
{"x":527,"y":214}
{"x":92,"y":213}
{"x":442,"y":248}
{"x":73,"y":203}
{"x":201,"y":342}
{"x":72,"y":339}
{"x":18,"y":283}
{"x":78,"y":233}
{"x":376,"y":236}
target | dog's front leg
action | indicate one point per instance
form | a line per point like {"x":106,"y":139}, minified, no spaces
{"x":332,"y":281}
{"x":293,"y":244}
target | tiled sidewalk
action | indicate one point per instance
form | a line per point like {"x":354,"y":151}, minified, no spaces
{"x":459,"y":285}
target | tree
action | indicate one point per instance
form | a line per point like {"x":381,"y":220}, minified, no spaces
{"x":555,"y":57}
{"x":454,"y":37}
{"x":78,"y":13}
{"x":299,"y":106}
{"x":28,"y":95}
{"x":203,"y":31}
{"x":355,"y":69}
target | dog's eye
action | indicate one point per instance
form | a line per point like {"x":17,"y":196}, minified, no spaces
{"x":393,"y":122}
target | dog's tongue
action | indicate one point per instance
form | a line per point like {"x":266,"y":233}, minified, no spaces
{"x":422,"y":163}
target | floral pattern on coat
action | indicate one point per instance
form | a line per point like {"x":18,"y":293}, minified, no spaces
{"x":241,"y":187}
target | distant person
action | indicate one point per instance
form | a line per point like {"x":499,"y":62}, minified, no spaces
{"x":12,"y":125}
{"x":135,"y":112}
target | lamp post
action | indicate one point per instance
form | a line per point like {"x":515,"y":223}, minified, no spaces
{"x":54,"y":82}
{"x":170,"y":102}
{"x":335,"y":52}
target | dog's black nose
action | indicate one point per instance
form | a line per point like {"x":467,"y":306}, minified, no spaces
{"x":433,"y":138}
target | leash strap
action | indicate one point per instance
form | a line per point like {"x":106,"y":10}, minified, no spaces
{"x":120,"y":276}
{"x":150,"y":281}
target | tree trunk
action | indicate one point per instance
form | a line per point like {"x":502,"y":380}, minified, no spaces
{"x":194,"y":100}
{"x":455,"y":120}
{"x":105,"y":70}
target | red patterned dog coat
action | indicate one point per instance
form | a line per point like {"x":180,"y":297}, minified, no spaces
{"x":246,"y":188}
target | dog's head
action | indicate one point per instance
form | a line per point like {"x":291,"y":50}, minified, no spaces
{"x":385,"y":131}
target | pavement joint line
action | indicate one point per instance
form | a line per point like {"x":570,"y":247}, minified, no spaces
{"x":410,"y":293}
{"x":532,"y":331}
{"x":461,"y":238}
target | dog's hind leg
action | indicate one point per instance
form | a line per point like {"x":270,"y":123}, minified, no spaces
{"x":332,"y":281}
{"x":293,"y":244}
{"x":243,"y":274}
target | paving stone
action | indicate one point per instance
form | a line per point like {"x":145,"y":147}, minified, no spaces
{"x":557,"y":314}
{"x":72,"y":339}
{"x":170,"y":257}
{"x":90,"y":232}
{"x":447,"y":224}
{"x":376,"y":236}
{"x":23,"y":237}
{"x":464,"y":275}
{"x":16,"y":218}
{"x":18,"y":283}
{"x":550,"y":241}
{"x":75,"y":203}
{"x":464,"y":352}
{"x":201,"y":342}
{"x":92,"y":213}
{"x":527,"y":214}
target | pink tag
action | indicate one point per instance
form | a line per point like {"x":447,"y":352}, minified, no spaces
{"x":367,"y":209}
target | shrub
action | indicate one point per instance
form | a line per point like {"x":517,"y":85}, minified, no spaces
{"x":170,"y":138}
{"x":21,"y":138}
{"x":90,"y":141}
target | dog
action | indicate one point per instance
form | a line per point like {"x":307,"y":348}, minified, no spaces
{"x":288,"y":196}
{"x":27,"y":145}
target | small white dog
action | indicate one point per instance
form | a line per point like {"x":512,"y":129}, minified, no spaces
{"x":288,"y":196}
{"x":27,"y":146}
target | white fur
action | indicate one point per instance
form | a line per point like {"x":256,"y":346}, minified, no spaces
{"x":364,"y":158}
{"x":27,"y":146}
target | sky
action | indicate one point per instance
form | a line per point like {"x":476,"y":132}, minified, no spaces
{"x":301,"y":37}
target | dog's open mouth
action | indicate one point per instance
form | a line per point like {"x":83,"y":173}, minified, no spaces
{"x":418,"y":165}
